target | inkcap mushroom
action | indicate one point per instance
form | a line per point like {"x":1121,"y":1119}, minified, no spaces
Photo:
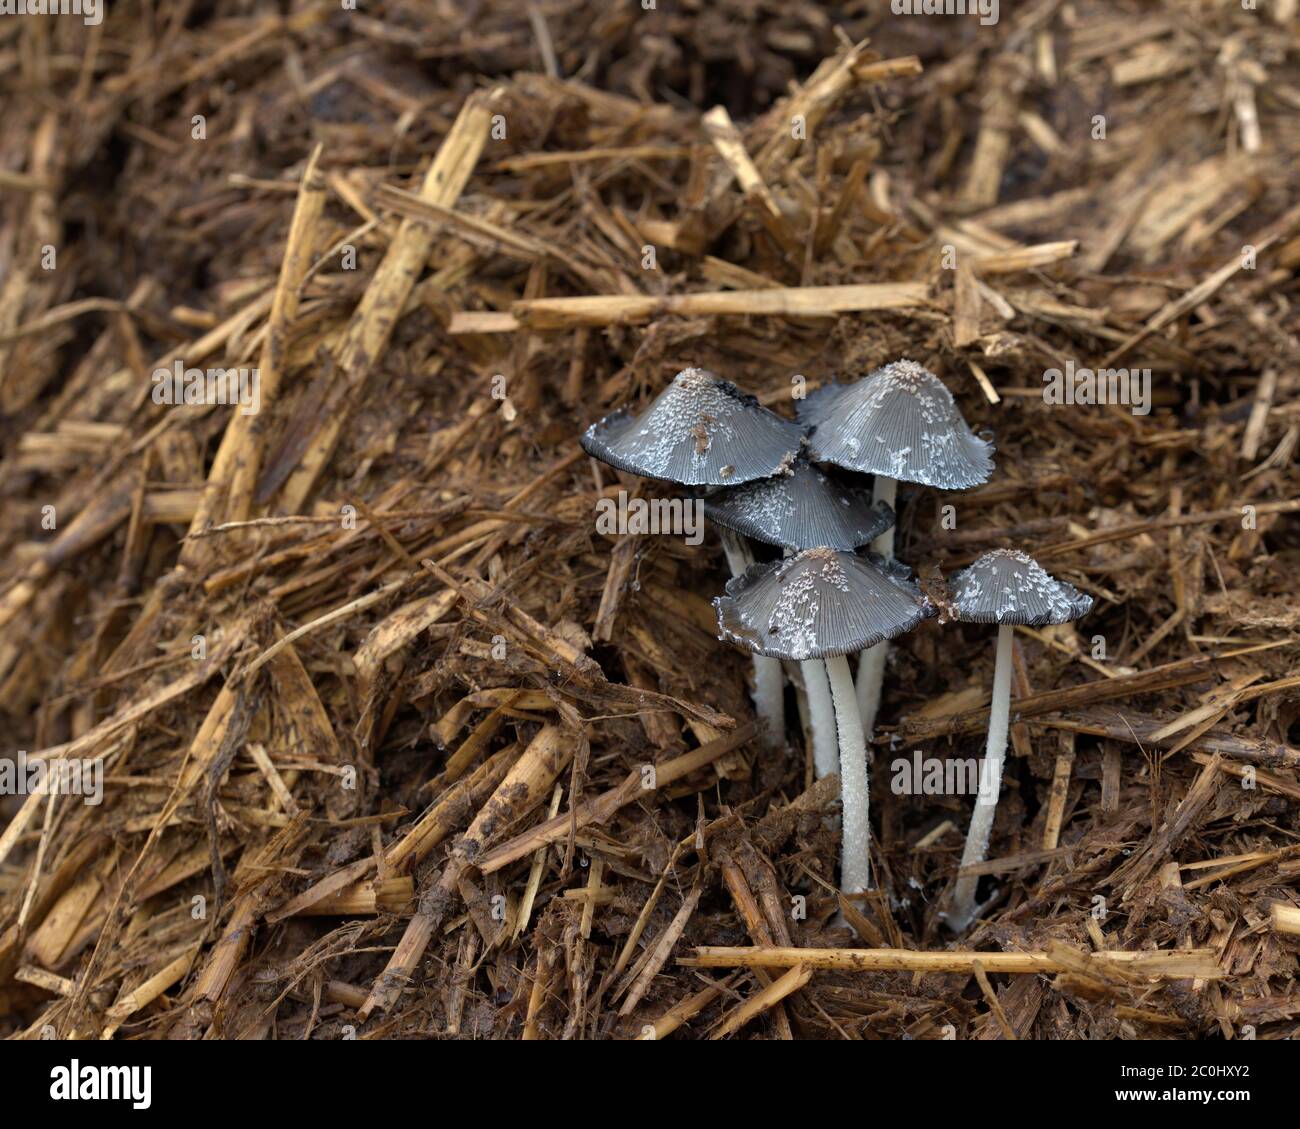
{"x":1006,"y":587}
{"x":899,"y":422}
{"x":699,"y":431}
{"x":824,"y":604}
{"x":704,"y":431}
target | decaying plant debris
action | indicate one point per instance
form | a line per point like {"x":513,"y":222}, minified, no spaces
{"x":377,"y":707}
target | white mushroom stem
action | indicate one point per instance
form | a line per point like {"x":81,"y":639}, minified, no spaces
{"x":855,"y":863}
{"x":871,"y":662}
{"x":821,"y":718}
{"x":986,"y":802}
{"x":769,"y":684}
{"x":817,"y":714}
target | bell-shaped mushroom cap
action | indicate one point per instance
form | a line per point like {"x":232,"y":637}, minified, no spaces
{"x":699,"y":431}
{"x":819,"y":603}
{"x":900,"y":421}
{"x":804,"y":509}
{"x":1008,"y":586}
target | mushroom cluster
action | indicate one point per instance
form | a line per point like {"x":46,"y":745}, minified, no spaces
{"x":797,"y":487}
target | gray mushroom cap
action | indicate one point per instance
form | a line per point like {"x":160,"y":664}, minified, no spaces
{"x":700,"y":431}
{"x":800,"y":510}
{"x":1008,"y":586}
{"x":819,"y":603}
{"x":900,"y":421}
